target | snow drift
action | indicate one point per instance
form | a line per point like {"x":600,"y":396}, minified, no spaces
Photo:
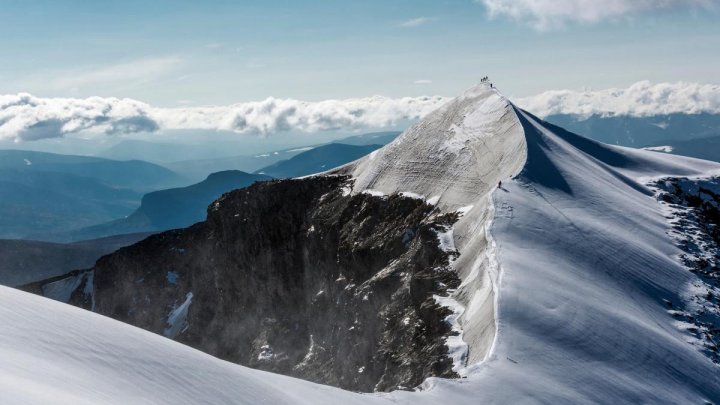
{"x":566,"y":273}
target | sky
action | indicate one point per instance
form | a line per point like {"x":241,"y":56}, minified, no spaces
{"x":383,"y":56}
{"x":171,"y":53}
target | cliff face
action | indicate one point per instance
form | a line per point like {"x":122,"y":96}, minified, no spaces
{"x":297,"y":277}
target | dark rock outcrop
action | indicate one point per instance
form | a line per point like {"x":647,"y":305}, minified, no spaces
{"x":694,"y":212}
{"x":297,"y":277}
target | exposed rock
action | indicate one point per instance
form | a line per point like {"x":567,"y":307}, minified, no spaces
{"x":297,"y":277}
{"x":694,"y":207}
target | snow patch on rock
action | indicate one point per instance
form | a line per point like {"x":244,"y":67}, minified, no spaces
{"x":177,"y":318}
{"x":457,"y":348}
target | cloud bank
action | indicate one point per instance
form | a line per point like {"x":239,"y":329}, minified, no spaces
{"x":26,"y":117}
{"x":642,"y":99}
{"x":548,"y":14}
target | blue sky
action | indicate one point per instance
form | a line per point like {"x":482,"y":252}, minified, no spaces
{"x":174,"y":53}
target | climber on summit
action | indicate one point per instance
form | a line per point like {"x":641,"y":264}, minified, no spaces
{"x":500,"y":184}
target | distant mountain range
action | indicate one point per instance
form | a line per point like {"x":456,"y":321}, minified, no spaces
{"x":197,"y":170}
{"x":43,"y":192}
{"x":62,"y":198}
{"x":316,"y":160}
{"x":372,"y":138}
{"x":63,"y":207}
{"x":35,"y":203}
{"x":180,"y":207}
{"x":639,"y":132}
{"x":28,"y":261}
{"x":168,"y":209}
{"x":701,"y":148}
{"x":132,"y":174}
{"x":170,"y":151}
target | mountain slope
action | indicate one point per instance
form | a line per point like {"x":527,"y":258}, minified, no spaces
{"x":178,"y":207}
{"x":133,"y":174}
{"x":701,"y":148}
{"x":372,"y":138}
{"x":318,"y":159}
{"x":28,"y":261}
{"x":171,"y":208}
{"x":149,"y":151}
{"x":575,"y":267}
{"x":45,"y":193}
{"x":638,"y":132}
{"x":36,"y":203}
{"x":587,"y":264}
{"x":572,"y":283}
{"x":198,"y":169}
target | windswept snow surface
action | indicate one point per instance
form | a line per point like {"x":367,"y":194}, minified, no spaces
{"x":587,"y":262}
{"x":457,"y":152}
{"x":564,"y":271}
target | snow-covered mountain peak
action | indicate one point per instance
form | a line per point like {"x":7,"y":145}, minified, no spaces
{"x":574,"y":227}
{"x":456,"y":153}
{"x":479,"y":90}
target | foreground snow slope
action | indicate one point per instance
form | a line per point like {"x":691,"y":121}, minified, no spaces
{"x":53,"y":353}
{"x":565,"y":269}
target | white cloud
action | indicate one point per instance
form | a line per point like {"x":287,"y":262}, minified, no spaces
{"x":25,"y":117}
{"x":415,"y":22}
{"x":422,"y":81}
{"x":548,"y":14}
{"x":640,"y":100}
